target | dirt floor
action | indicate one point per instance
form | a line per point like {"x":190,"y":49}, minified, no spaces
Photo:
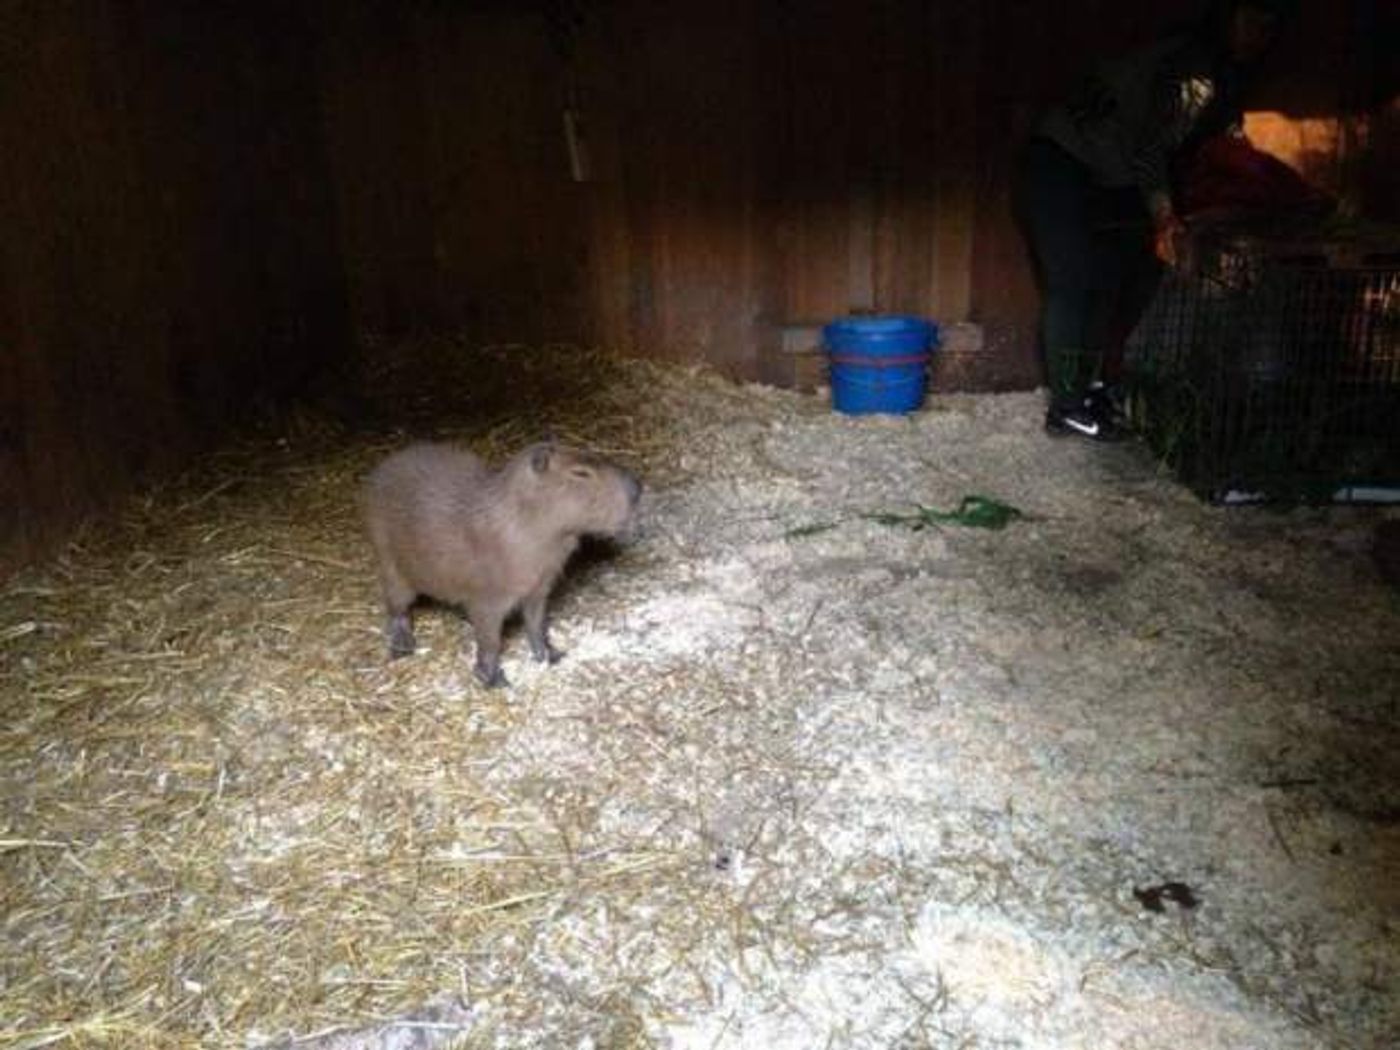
{"x":806,"y":777}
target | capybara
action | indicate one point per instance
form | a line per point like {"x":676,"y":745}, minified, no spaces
{"x":446,"y":526}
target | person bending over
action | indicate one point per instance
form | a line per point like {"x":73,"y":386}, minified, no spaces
{"x":1095,"y":195}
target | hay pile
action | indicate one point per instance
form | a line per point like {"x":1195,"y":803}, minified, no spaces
{"x":861,"y":787}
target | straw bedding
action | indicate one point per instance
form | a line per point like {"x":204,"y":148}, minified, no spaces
{"x":864,"y":786}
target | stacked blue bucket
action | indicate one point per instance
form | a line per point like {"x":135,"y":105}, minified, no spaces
{"x":879,"y":364}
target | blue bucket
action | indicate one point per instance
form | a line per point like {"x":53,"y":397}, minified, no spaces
{"x":879,"y":364}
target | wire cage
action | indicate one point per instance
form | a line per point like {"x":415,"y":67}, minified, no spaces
{"x":1261,"y":373}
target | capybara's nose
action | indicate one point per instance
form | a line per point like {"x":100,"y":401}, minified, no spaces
{"x":634,"y":490}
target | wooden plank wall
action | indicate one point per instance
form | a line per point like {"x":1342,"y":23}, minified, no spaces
{"x":876,"y":147}
{"x":751,"y":165}
{"x":444,"y":129}
{"x":204,"y":201}
{"x":763,"y":166}
{"x":679,"y":213}
{"x":169,"y":247}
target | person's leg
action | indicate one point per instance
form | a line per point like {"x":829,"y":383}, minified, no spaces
{"x":1142,"y":275}
{"x":1054,"y":195}
{"x":1058,"y":201}
{"x":1064,"y":336}
{"x":1131,"y":274}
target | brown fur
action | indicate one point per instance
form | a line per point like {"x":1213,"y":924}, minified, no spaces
{"x":446,"y":526}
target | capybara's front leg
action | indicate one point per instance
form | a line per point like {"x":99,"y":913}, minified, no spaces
{"x":486,"y":621}
{"x":398,"y":619}
{"x":537,"y":627}
{"x":399,"y":629}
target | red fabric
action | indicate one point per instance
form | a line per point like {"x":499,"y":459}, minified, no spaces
{"x":1227,"y":174}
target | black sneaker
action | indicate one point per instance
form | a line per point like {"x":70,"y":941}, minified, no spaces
{"x":1106,"y":403}
{"x":1082,"y":419}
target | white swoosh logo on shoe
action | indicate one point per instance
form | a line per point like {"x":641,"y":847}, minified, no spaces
{"x":1092,"y":429}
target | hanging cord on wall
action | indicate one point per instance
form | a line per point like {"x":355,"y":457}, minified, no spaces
{"x":564,"y":22}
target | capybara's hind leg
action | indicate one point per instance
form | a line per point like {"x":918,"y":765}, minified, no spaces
{"x":486,"y":621}
{"x":398,"y":621}
{"x":537,"y":627}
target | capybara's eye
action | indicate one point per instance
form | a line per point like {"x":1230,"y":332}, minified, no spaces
{"x":581,"y":472}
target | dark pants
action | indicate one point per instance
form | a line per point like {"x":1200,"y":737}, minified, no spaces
{"x":1093,"y":253}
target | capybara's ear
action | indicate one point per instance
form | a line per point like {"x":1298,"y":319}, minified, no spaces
{"x":539,"y":457}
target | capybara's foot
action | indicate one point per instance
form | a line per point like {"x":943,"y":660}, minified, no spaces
{"x":545,"y":653}
{"x":491,"y":677}
{"x":401,"y":641}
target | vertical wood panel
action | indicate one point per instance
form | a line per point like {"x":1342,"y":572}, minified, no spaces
{"x":506,"y":217}
{"x":689,"y":177}
{"x":954,"y":57}
{"x":168,"y":250}
{"x":445,"y":124}
{"x":377,"y":139}
{"x":827,"y":191}
{"x":880,"y":152}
